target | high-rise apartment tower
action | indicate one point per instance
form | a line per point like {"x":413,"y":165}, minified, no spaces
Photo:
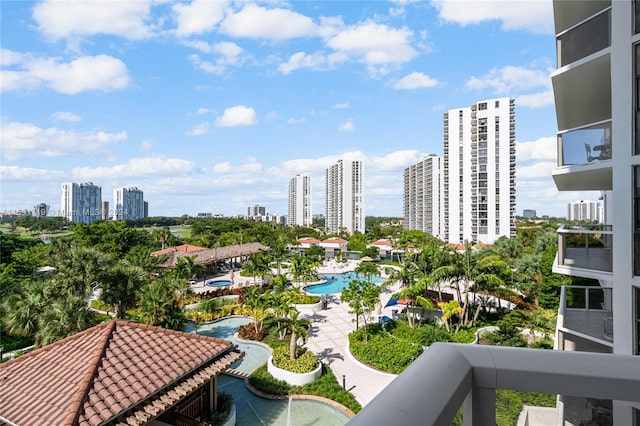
{"x":344,"y":197}
{"x":479,"y":171}
{"x":299,"y":212}
{"x":81,"y":202}
{"x":424,"y":196}
{"x":128,"y":203}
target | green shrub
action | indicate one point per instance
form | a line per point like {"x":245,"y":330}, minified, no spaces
{"x":383,"y":351}
{"x":248,"y":332}
{"x":265,"y":382}
{"x":299,"y":298}
{"x":225,"y":402}
{"x":305,"y":361}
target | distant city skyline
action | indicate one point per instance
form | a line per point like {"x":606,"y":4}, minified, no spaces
{"x":209,"y":113}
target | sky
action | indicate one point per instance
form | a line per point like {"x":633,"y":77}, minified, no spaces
{"x":213,"y":106}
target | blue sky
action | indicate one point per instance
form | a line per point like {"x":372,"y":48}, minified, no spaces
{"x":212,"y":106}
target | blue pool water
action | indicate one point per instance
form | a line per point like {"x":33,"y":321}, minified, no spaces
{"x":335,"y":283}
{"x":219,"y":283}
{"x":255,"y":355}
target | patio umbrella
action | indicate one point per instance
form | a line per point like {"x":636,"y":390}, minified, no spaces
{"x":391,"y":302}
{"x":366,"y":259}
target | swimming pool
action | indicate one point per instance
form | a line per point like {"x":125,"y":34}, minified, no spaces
{"x":255,"y":355}
{"x":335,"y":283}
{"x":219,"y":283}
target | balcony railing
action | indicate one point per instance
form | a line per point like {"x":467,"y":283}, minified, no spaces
{"x":448,"y":376}
{"x":586,"y":312}
{"x":586,"y":247}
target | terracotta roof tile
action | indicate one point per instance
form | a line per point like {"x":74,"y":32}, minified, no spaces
{"x":100,"y":373}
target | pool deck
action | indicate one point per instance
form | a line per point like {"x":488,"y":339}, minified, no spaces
{"x":328,"y":335}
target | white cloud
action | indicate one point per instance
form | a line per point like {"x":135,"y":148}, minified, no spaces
{"x":137,"y":167}
{"x":541,"y":149}
{"x":397,"y":160}
{"x":72,"y":19}
{"x":226,"y":168}
{"x":317,"y":61}
{"x":199,"y":129}
{"x":296,"y":120}
{"x":536,"y":100}
{"x":416,"y":80}
{"x":537,"y":170}
{"x":254,"y":21}
{"x":102,"y":73}
{"x":376,"y":45}
{"x":65,"y":116}
{"x":347,"y":126}
{"x":206,"y":66}
{"x":199,"y":16}
{"x":22,"y":139}
{"x":511,"y":78}
{"x":236,"y":116}
{"x":535,"y":16}
{"x":203,"y":110}
{"x":28,"y":174}
{"x":146,"y":145}
{"x":343,"y":105}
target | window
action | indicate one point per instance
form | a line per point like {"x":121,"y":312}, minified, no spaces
{"x":482,"y":106}
{"x":636,"y":13}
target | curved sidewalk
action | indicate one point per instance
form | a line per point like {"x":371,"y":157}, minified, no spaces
{"x":328,"y":339}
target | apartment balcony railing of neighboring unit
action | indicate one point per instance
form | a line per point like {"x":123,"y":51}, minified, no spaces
{"x":448,"y":376}
{"x":586,"y":312}
{"x":585,"y":247}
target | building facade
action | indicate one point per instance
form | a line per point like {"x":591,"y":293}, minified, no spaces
{"x":479,"y":171}
{"x":41,"y":210}
{"x":128,"y":203}
{"x":424,"y":196}
{"x":585,"y":210}
{"x":81,"y":202}
{"x":299,"y":211}
{"x":344,"y":197}
{"x":529,"y":214}
{"x":256,"y":210}
{"x":596,"y":89}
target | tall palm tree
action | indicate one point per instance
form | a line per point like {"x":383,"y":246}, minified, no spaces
{"x":257,"y":265}
{"x":81,"y":269}
{"x":64,"y":317}
{"x":162,"y":236}
{"x":256,"y":302}
{"x":120,"y":287}
{"x":368,"y":270}
{"x":24,"y":308}
{"x":472,"y":270}
{"x":157,"y":300}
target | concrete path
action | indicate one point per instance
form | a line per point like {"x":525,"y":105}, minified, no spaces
{"x":328,"y":339}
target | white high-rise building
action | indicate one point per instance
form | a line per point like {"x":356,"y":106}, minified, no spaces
{"x":585,"y":210}
{"x":479,"y":171}
{"x":128,"y":203}
{"x":344,"y":197}
{"x":596,"y":89}
{"x":299,"y":212}
{"x":81,"y":202}
{"x":424,"y":196}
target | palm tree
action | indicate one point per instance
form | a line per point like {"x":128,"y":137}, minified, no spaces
{"x":162,"y":236}
{"x":64,"y":317}
{"x":543,"y":320}
{"x":302,"y":268}
{"x":81,"y":269}
{"x":449,"y":310}
{"x":368,"y":270}
{"x":257,"y":265}
{"x":120,"y":287}
{"x":157,"y":300}
{"x":297,"y":328}
{"x":23,"y":309}
{"x":473,"y":271}
{"x":256,"y":302}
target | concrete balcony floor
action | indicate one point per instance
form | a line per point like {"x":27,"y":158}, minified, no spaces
{"x":594,"y":258}
{"x":590,"y":323}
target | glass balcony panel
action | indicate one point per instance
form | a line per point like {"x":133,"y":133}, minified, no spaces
{"x":586,"y":145}
{"x":586,"y":247}
{"x":585,"y":39}
{"x":587,"y":311}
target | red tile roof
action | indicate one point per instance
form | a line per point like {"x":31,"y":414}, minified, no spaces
{"x":335,"y":240}
{"x":208,"y":256}
{"x":101,"y":373}
{"x":382,"y":242}
{"x":308,"y":240}
{"x":185,"y":248}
